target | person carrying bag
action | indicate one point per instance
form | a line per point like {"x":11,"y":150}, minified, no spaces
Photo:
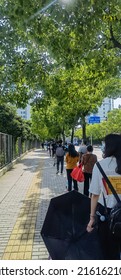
{"x":77,"y":173}
{"x":106,"y":200}
{"x":114,"y":217}
{"x":72,"y":157}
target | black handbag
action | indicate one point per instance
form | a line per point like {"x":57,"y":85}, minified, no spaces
{"x":114,"y":217}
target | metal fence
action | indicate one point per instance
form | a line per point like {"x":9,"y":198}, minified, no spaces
{"x":11,"y":148}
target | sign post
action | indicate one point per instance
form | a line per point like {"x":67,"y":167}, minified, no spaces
{"x":92,"y":120}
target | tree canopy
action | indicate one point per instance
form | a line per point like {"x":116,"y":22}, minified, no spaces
{"x":98,"y":131}
{"x":11,"y":123}
{"x":70,"y":51}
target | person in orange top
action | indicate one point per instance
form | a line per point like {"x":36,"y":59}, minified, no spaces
{"x":72,"y":157}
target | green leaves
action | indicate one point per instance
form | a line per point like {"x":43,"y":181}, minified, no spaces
{"x":99,"y":131}
{"x":70,"y":53}
{"x":11,"y":123}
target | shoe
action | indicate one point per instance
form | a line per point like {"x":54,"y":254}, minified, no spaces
{"x":57,"y":172}
{"x":61,"y":173}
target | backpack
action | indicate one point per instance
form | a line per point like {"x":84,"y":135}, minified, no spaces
{"x":114,"y":218}
{"x":59,"y":152}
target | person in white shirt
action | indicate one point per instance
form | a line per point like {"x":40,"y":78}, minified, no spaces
{"x":111,"y":165}
{"x":82,"y":149}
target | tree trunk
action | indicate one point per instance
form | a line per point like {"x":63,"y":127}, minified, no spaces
{"x":72,"y":134}
{"x":83,"y":128}
{"x":63,"y":136}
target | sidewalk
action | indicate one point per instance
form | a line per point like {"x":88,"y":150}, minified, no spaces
{"x":25,"y":192}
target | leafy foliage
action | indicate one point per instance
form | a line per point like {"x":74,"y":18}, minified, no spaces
{"x":11,"y":123}
{"x":70,"y":52}
{"x":98,"y":131}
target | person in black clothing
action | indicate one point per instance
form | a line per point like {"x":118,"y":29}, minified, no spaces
{"x":54,"y":146}
{"x":60,"y":157}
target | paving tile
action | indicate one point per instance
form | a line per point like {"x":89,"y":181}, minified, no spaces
{"x":6,"y":256}
{"x":28,"y":256}
{"x":20,"y":256}
{"x":27,"y":204}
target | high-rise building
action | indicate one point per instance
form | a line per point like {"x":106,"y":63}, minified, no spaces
{"x":24,"y":113}
{"x":107,"y":106}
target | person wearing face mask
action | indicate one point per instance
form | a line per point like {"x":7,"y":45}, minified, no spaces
{"x":101,"y":193}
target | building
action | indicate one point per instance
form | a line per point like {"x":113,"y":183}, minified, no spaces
{"x":107,"y":106}
{"x":24,"y":113}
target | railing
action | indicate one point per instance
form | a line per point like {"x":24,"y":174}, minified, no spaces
{"x":11,"y":148}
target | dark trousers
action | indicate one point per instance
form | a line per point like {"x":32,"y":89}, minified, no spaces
{"x":75,"y":185}
{"x":87,"y":179}
{"x":60,"y":161}
{"x":110,"y":245}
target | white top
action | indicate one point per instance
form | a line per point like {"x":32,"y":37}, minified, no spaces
{"x":99,"y":186}
{"x":82,"y":149}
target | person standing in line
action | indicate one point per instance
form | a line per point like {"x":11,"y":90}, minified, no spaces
{"x":88,"y":160}
{"x":60,"y":157}
{"x":66,"y":147}
{"x":72,"y":157}
{"x":42,"y":144}
{"x":49,"y":148}
{"x":54,"y":146}
{"x":111,"y":164}
{"x":82,"y":149}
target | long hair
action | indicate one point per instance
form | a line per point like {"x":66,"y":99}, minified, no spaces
{"x":71,"y":150}
{"x":113,"y":148}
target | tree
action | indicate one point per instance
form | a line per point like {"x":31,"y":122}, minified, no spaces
{"x":11,"y":123}
{"x":80,"y":90}
{"x":98,"y":131}
{"x":71,"y":52}
{"x":114,"y":121}
{"x":64,"y":35}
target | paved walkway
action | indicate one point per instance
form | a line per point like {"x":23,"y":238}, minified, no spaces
{"x":25,"y":192}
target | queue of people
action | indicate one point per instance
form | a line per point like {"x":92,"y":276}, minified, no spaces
{"x":85,"y":156}
{"x":95,"y":186}
{"x":72,"y":158}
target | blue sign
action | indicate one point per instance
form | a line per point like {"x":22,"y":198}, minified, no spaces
{"x":94,"y":119}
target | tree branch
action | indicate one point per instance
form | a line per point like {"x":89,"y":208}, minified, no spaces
{"x":115,"y":42}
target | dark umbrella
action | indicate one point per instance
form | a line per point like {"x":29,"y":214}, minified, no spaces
{"x":64,"y":229}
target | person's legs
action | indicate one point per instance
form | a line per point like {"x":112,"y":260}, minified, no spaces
{"x":58,"y":161}
{"x":75,"y":185}
{"x":87,"y":177}
{"x":62,"y":163}
{"x":69,"y":179}
{"x":52,"y":153}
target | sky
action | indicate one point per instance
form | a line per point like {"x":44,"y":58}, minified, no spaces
{"x":117,"y":102}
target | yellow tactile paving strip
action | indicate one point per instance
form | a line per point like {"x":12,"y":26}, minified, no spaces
{"x":20,"y":243}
